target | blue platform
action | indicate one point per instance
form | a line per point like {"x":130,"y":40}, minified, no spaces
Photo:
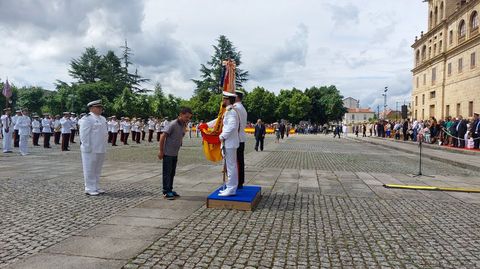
{"x":245,"y":195}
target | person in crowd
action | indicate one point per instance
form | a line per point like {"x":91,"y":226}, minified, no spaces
{"x":127,"y":126}
{"x":24,"y":124}
{"x":66,"y":129}
{"x":16,"y":136}
{"x":259,"y":134}
{"x":36,"y":130}
{"x":74,"y":127}
{"x":47,"y":125}
{"x":7,"y":130}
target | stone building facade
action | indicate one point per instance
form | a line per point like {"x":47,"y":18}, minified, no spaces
{"x":446,"y":76}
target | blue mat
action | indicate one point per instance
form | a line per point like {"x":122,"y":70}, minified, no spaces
{"x":247,"y":194}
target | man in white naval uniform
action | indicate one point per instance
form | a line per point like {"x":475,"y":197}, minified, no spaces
{"x":24,"y":129}
{"x":242,"y":113}
{"x":230,"y":143}
{"x":7,"y":130}
{"x":93,"y":138}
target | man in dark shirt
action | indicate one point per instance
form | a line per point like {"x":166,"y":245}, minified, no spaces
{"x":260,"y":132}
{"x":170,"y":143}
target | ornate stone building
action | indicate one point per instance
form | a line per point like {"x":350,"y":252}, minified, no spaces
{"x":446,"y":77}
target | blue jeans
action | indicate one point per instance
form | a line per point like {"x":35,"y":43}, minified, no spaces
{"x":169,"y":167}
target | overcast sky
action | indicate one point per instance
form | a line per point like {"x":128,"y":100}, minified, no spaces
{"x":359,"y":46}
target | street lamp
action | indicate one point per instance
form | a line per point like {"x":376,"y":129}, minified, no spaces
{"x":384,"y":94}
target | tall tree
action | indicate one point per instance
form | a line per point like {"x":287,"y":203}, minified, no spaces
{"x":212,"y":71}
{"x":133,"y":80}
{"x":87,"y":68}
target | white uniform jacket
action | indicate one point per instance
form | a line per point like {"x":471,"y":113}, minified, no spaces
{"x":93,"y":134}
{"x":23,"y":124}
{"x":36,"y":126}
{"x":114,"y":126}
{"x":231,"y":124}
{"x":242,"y":113}
{"x":66,"y":125}
{"x":4,"y":122}
{"x":46,"y":125}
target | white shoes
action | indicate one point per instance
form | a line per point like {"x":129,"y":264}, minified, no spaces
{"x":95,"y":193}
{"x":227,"y":192}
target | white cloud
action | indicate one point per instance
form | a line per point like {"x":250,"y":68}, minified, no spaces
{"x":285,"y":44}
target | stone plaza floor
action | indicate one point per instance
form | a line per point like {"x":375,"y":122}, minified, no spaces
{"x":323,"y":206}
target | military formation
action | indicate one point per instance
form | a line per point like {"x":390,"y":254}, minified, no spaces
{"x":96,"y":131}
{"x":19,"y":128}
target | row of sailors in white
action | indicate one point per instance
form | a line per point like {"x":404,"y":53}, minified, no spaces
{"x":126,"y":125}
{"x":46,"y":124}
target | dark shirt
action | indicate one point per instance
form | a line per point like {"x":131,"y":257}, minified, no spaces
{"x":260,"y":130}
{"x":175,"y":131}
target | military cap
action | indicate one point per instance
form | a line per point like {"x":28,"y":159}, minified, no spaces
{"x":95,"y":103}
{"x":228,"y":94}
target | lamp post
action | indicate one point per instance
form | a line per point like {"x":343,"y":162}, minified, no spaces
{"x":396,"y":111}
{"x":384,"y":94}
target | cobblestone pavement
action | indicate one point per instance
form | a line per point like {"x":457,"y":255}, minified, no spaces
{"x":332,"y":217}
{"x":42,"y":199}
{"x":316,"y":231}
{"x":311,"y":215}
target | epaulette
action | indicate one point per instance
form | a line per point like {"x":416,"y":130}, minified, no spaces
{"x":229,"y":108}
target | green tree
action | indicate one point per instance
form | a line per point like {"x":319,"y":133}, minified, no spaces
{"x":299,"y":106}
{"x":158,"y":101}
{"x":31,"y":98}
{"x":211,"y":72}
{"x":87,"y":68}
{"x":133,"y":80}
{"x":260,"y":104}
{"x":327,"y":104}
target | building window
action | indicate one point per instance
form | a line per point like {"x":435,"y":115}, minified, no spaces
{"x":472,"y":60}
{"x":460,"y":65}
{"x":424,"y":79}
{"x":424,"y":53}
{"x":458,"y":109}
{"x":450,"y":37}
{"x":440,"y":46}
{"x":416,"y":100}
{"x":474,"y":21}
{"x":434,"y":75}
{"x":434,"y":49}
{"x":470,"y":109}
{"x":447,"y":110}
{"x":353,"y":116}
{"x":417,"y":57}
{"x":432,"y":94}
{"x":432,"y":111}
{"x":364,"y":116}
{"x":462,"y":29}
{"x":416,"y":114}
{"x":429,"y":52}
{"x":449,"y":69}
{"x":418,"y":82}
{"x":423,"y":113}
{"x":423,"y":99}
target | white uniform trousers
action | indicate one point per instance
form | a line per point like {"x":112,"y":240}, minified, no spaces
{"x":232,"y":169}
{"x":92,"y":168}
{"x":7,"y":140}
{"x":23,"y":144}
